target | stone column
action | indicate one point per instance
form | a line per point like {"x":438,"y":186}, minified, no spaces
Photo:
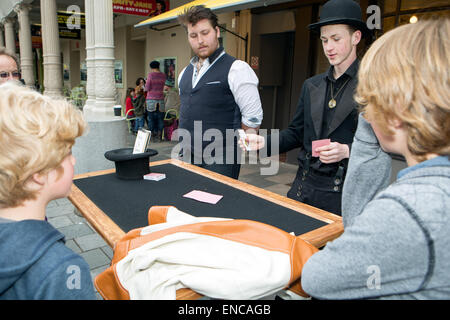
{"x":106,"y":132}
{"x":25,"y":43}
{"x":10,"y":38}
{"x":51,"y":49}
{"x":105,"y":88}
{"x":90,"y":54}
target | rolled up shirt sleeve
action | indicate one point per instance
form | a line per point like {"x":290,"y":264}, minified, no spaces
{"x":244,"y":86}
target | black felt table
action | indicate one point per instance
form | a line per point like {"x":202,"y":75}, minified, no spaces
{"x":127,"y":202}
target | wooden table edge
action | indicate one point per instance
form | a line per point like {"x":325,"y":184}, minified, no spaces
{"x":99,"y":220}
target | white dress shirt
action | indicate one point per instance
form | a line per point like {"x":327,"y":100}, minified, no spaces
{"x":243,"y":84}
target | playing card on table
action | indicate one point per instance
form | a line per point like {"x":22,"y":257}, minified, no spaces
{"x":203,"y":196}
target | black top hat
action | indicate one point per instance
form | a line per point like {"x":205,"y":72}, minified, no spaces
{"x":341,"y":12}
{"x":130,"y":166}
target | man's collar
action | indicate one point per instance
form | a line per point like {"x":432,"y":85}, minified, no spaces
{"x":215,"y":54}
{"x":351,"y":71}
{"x":211,"y":58}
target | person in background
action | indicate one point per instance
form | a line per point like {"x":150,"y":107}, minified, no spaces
{"x":396,"y":237}
{"x":171,"y":119}
{"x":155,"y":100}
{"x":9,"y":66}
{"x":139,"y":108}
{"x":36,"y":166}
{"x":171,"y":96}
{"x":140,"y":82}
{"x":129,"y":108}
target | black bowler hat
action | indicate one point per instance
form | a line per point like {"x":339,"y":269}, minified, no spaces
{"x":130,"y":166}
{"x":341,"y":12}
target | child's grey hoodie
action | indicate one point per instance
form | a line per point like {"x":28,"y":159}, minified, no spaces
{"x":396,"y":243}
{"x":36,"y":265}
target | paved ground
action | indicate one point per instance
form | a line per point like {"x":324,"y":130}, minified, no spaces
{"x":83,"y":239}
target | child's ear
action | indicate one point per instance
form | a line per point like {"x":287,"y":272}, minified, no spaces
{"x":38,"y":179}
{"x":396,"y":123}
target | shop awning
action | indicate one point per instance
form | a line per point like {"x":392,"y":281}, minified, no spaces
{"x":217,"y":6}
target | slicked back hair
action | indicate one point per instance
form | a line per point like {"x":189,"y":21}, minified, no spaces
{"x":192,"y":15}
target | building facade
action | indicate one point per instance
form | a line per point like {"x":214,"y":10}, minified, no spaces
{"x":64,"y":44}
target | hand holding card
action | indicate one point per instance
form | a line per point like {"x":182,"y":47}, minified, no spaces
{"x":317,"y":144}
{"x":242,"y":137}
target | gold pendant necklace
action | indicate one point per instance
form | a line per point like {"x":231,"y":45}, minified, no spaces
{"x":332,"y":103}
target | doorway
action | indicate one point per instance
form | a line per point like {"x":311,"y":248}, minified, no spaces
{"x":275,"y":78}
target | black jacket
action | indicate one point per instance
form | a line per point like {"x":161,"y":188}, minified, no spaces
{"x":306,"y":125}
{"x":139,"y":105}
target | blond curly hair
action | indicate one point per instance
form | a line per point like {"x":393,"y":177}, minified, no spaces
{"x":405,"y":75}
{"x":36,"y":134}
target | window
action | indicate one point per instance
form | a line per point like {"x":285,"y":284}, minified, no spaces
{"x":399,"y":12}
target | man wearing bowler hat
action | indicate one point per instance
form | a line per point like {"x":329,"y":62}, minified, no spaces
{"x":326,"y":110}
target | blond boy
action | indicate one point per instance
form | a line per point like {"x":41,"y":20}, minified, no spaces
{"x":395,"y":243}
{"x":36,"y":166}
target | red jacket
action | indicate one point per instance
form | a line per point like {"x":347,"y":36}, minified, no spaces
{"x":128,"y":106}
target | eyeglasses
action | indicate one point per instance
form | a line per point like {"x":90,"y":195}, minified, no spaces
{"x":6,"y":74}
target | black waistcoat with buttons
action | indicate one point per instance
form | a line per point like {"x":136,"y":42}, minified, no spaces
{"x":210,"y":101}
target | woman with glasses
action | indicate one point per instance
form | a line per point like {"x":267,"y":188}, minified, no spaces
{"x":9,"y":66}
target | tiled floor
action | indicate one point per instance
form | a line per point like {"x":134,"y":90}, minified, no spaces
{"x":83,"y":239}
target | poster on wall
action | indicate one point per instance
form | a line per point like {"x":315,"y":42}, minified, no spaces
{"x":147,"y":8}
{"x":66,"y":72}
{"x":83,"y":73}
{"x":118,"y":73}
{"x":168,"y":65}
